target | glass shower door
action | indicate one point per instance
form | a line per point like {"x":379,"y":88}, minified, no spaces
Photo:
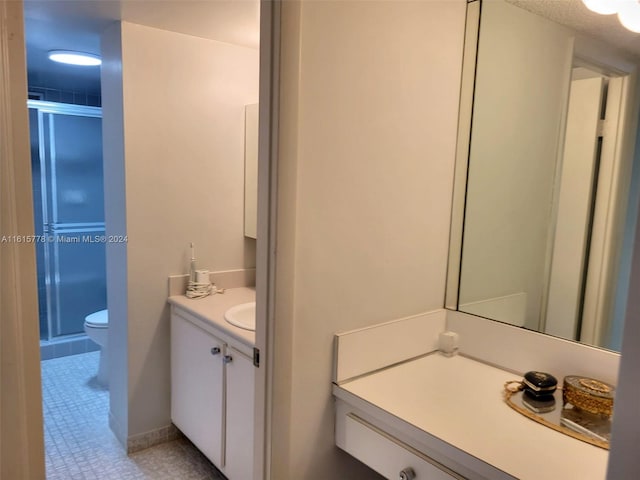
{"x":72,"y":214}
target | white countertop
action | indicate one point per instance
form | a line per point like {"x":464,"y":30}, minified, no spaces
{"x":211,"y":310}
{"x":459,"y":401}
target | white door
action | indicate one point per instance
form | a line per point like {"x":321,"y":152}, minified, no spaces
{"x":197,"y":386}
{"x":575,"y":208}
{"x":608,"y":219}
{"x":240,"y":413}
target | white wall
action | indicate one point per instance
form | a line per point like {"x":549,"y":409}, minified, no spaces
{"x":521,"y":94}
{"x":116,"y":224}
{"x":183,"y":127}
{"x":369,"y":103}
{"x":624,"y":461}
{"x":616,"y":328}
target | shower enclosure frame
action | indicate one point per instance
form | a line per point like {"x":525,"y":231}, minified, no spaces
{"x":52,"y":229}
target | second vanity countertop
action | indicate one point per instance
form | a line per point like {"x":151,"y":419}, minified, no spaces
{"x":210,"y":311}
{"x":459,"y":401}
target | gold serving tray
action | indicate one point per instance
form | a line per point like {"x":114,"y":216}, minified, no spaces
{"x":576,"y":423}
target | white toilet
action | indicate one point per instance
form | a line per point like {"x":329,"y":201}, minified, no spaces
{"x":96,"y":326}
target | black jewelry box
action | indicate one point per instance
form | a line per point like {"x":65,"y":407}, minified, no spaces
{"x":539,"y":384}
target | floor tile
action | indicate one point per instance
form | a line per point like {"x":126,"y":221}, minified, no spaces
{"x":79,"y":443}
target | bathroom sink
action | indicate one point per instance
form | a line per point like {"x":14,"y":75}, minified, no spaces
{"x":242,"y":316}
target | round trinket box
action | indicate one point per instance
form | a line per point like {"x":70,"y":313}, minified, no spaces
{"x":588,"y":394}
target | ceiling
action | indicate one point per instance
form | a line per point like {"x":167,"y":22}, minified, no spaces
{"x":78,"y":25}
{"x":576,"y":16}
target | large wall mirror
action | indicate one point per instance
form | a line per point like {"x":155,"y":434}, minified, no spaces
{"x":545,"y":200}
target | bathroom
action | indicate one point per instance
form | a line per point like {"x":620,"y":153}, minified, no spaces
{"x":203,"y":109}
{"x":65,"y":125}
{"x":325,"y":284}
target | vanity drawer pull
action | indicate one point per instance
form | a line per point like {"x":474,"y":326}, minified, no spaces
{"x":407,"y":474}
{"x":215,"y":350}
{"x":227,"y":359}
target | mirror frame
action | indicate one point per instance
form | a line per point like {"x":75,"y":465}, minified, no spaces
{"x":586,"y":49}
{"x":463,"y":145}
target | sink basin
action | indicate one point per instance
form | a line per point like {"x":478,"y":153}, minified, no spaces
{"x":242,"y":316}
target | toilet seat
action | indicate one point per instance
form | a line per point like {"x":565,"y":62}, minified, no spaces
{"x":97,"y":319}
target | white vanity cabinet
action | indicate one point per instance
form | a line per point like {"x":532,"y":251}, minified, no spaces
{"x":212,"y":393}
{"x":445,"y":418}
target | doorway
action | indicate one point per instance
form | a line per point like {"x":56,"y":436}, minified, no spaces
{"x":591,"y":203}
{"x":158,"y":304}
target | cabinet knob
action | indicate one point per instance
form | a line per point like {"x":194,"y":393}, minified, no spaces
{"x":407,"y":474}
{"x":215,"y":350}
{"x":227,"y":359}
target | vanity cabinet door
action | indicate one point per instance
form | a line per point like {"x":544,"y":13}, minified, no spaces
{"x":240,"y":404}
{"x":197,"y":388}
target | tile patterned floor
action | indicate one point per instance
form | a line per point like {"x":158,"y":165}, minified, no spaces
{"x":79,"y":444}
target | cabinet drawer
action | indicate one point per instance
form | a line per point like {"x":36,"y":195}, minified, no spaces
{"x":388,"y":455}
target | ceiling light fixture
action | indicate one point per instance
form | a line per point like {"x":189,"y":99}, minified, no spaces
{"x":71,"y":57}
{"x":629,"y":15}
{"x":603,"y":7}
{"x":628,"y":11}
